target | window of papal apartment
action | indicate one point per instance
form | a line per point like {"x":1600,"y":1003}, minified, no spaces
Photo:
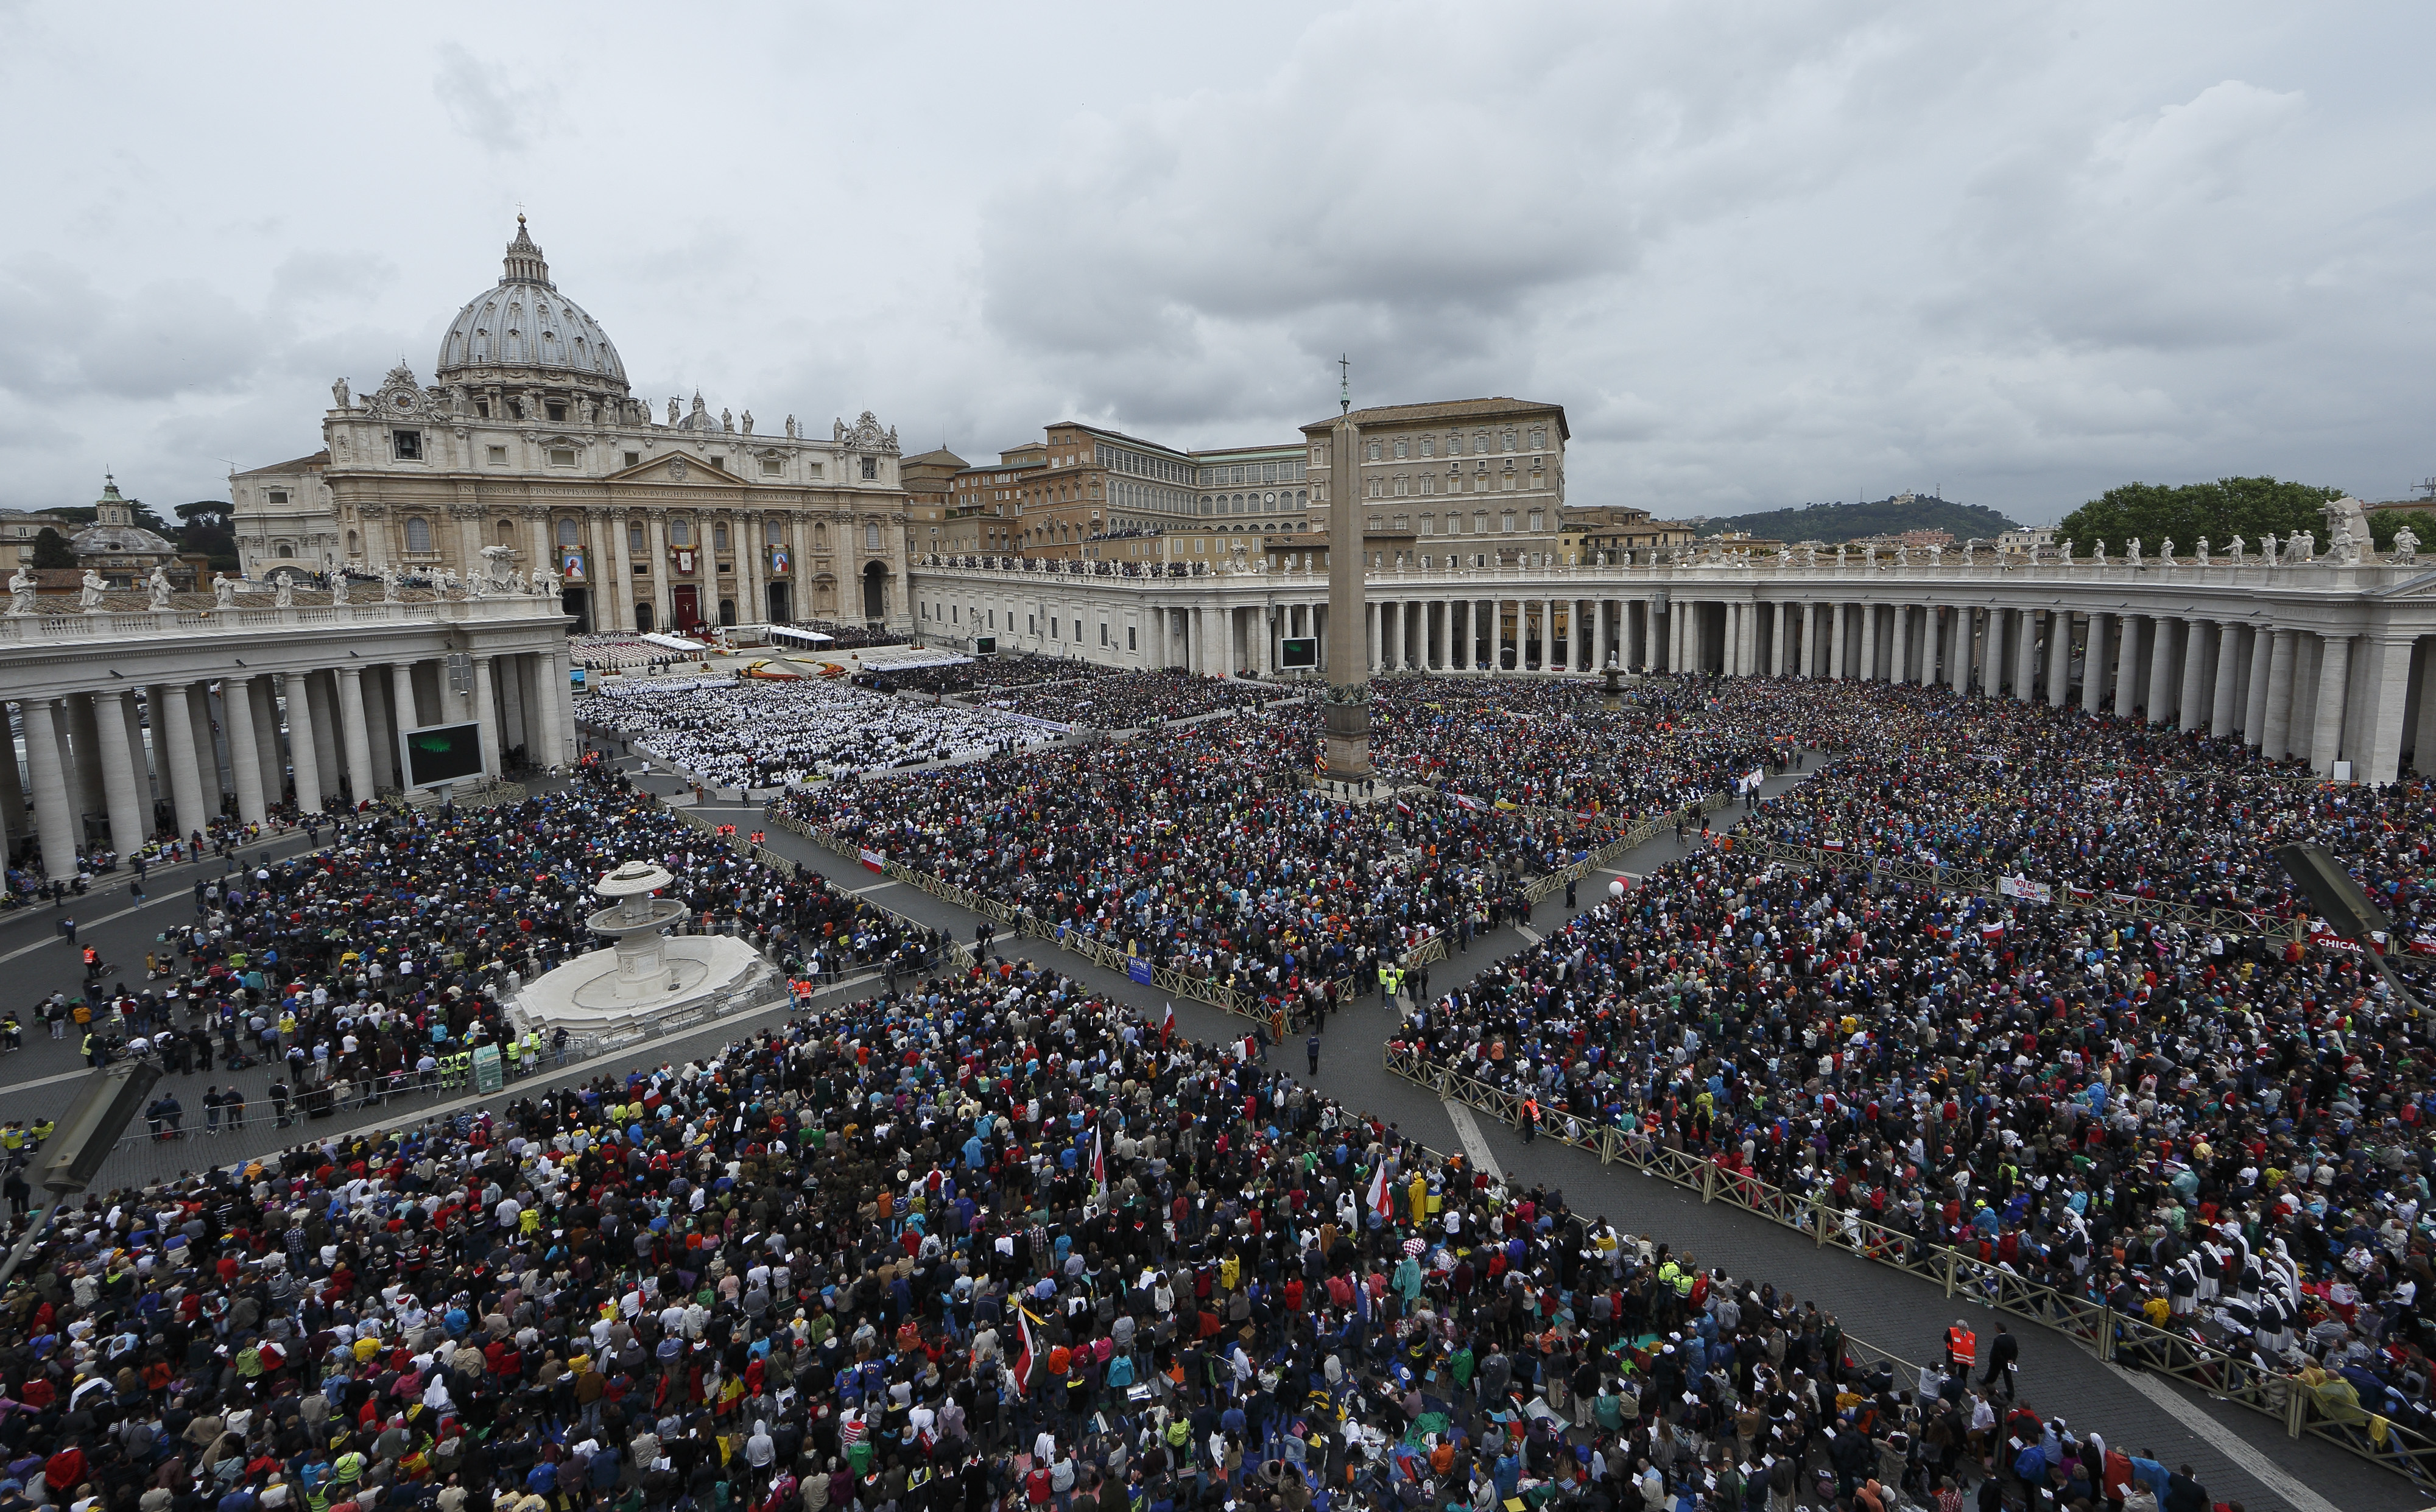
{"x":1374,"y":451}
{"x":1507,"y":524}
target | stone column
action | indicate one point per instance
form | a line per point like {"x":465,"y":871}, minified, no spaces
{"x":2423,"y":742}
{"x":752,"y":608}
{"x":2127,"y":667}
{"x":2228,"y":678}
{"x":262,"y":701}
{"x":357,"y":730}
{"x":173,"y":736}
{"x":2254,"y":714}
{"x":1959,"y":641}
{"x":245,"y":747}
{"x":2334,"y":684}
{"x":1675,"y":614}
{"x":2387,"y":692}
{"x":2025,"y":655}
{"x":85,"y":766}
{"x":217,"y":790}
{"x":300,"y":743}
{"x":2059,"y":656}
{"x":2276,"y":719}
{"x":2190,"y":685}
{"x":486,"y":710}
{"x":2093,"y":664}
{"x":1839,"y":630}
{"x":409,"y":714}
{"x":55,"y":821}
{"x":657,"y":548}
{"x":2162,"y":667}
{"x":129,"y":816}
{"x":1776,"y":643}
{"x":329,"y":758}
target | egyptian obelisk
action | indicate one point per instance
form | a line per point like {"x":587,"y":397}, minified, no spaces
{"x":1347,"y":729}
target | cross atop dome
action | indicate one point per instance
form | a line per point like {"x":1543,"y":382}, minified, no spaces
{"x":524,"y":262}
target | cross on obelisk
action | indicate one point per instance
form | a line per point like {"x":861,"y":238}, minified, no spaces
{"x":1345,"y":714}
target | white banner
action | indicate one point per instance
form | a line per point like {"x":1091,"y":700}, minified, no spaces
{"x":2027,"y":891}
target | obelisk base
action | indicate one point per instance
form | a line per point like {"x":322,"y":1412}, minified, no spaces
{"x":1345,"y":735}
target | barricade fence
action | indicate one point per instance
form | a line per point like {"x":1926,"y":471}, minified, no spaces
{"x":2325,"y":1411}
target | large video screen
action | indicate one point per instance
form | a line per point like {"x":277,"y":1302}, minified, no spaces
{"x":442,"y":752}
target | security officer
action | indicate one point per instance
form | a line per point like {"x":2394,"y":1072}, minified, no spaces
{"x":1961,"y":1348}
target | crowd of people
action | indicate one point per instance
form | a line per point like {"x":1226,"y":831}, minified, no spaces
{"x":775,"y":735}
{"x":353,"y":975}
{"x":1552,"y":743}
{"x":2053,"y":796}
{"x":2224,"y":1133}
{"x":1204,"y":849}
{"x":988,"y":1244}
{"x":1133,"y":699}
{"x":984,"y":675}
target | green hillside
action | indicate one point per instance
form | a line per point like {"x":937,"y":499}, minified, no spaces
{"x":1832,"y":523}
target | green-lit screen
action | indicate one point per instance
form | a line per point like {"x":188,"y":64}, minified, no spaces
{"x":442,"y":752}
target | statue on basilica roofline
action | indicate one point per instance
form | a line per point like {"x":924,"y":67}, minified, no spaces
{"x":283,"y":589}
{"x":89,"y":596}
{"x":224,"y":591}
{"x":21,"y":592}
{"x":338,"y":586}
{"x":159,"y":584}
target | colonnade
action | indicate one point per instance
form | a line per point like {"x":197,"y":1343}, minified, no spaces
{"x":110,"y":767}
{"x":2290,"y":692}
{"x":2326,"y":662}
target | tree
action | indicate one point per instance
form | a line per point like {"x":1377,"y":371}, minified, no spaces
{"x":51,"y":550}
{"x":2383,"y":523}
{"x":2154,"y":513}
{"x":207,"y":532}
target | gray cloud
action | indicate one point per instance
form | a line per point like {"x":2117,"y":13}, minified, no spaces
{"x":1762,"y":254}
{"x":486,"y":105}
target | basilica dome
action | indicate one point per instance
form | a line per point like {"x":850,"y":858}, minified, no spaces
{"x":523,"y":328}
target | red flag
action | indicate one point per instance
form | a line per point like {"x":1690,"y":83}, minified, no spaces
{"x":1023,"y":1358}
{"x":873,"y":861}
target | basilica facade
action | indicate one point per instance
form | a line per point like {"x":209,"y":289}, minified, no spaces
{"x":529,"y":439}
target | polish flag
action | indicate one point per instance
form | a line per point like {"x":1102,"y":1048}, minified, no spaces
{"x":1379,"y":1202}
{"x":1167,"y":1029}
{"x":1100,"y":1165}
{"x":874,"y":862}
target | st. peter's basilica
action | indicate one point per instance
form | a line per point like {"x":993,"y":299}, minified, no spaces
{"x":529,"y":439}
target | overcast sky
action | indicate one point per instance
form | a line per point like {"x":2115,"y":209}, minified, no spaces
{"x":1762,"y":254}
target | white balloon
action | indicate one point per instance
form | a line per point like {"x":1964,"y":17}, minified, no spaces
{"x":1616,"y":889}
